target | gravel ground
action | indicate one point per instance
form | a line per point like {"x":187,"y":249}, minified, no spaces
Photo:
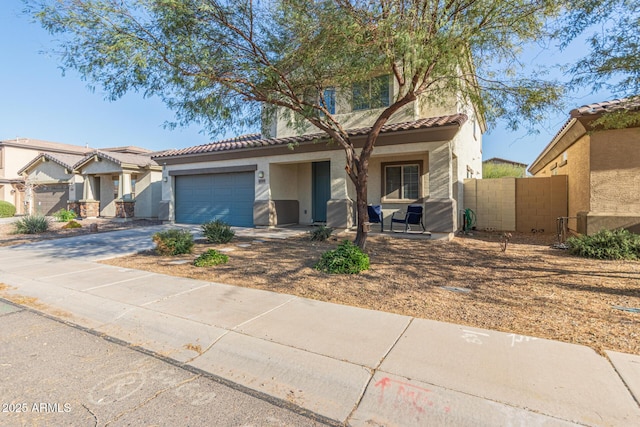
{"x":529,"y":289}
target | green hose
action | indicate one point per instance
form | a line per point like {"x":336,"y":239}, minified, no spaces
{"x":469,"y":219}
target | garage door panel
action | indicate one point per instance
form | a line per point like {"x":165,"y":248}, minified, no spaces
{"x":202,"y":198}
{"x":49,"y":199}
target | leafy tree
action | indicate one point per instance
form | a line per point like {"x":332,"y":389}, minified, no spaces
{"x":612,"y":31}
{"x":216,"y":62}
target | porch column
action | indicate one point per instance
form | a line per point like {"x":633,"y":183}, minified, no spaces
{"x":87,"y":187}
{"x":440,"y":214}
{"x":340,"y":208}
{"x":125,"y":183}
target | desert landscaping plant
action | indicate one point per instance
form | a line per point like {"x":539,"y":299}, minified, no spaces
{"x":32,"y":224}
{"x":347,"y":258}
{"x":607,"y":244}
{"x":217,"y":231}
{"x":320,"y":233}
{"x":211,"y":258}
{"x":173,"y":242}
{"x":72,"y":224}
{"x":6,"y":209}
{"x":64,"y":215}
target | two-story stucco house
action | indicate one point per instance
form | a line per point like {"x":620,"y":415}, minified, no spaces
{"x":421,"y":157}
{"x":15,"y":153}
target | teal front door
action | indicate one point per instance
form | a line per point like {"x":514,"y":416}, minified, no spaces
{"x":321,"y":190}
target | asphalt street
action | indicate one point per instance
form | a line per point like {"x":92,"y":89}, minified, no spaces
{"x":56,"y":374}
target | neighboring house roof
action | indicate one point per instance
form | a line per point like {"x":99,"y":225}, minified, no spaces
{"x":255,"y":140}
{"x":42,"y":146}
{"x":606,"y":107}
{"x":504,"y":161}
{"x":65,"y":160}
{"x":130,"y":149}
{"x":584,"y":115}
{"x":121,"y":159}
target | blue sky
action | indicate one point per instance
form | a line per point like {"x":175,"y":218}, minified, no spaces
{"x":38,"y":102}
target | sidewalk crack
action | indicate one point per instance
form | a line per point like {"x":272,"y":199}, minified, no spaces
{"x":375,"y":370}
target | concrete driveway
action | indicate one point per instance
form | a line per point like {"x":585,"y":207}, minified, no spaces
{"x":111,"y":244}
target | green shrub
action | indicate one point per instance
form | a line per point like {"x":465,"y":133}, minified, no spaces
{"x":210,"y":258}
{"x":347,"y":258}
{"x":6,"y":209}
{"x":607,"y":244}
{"x":32,"y":224}
{"x":173,"y":242}
{"x":320,"y":233}
{"x":217,"y":231}
{"x":72,"y":224}
{"x":64,"y":215}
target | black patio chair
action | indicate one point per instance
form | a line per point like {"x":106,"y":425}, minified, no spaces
{"x":375,"y":215}
{"x":412,"y":216}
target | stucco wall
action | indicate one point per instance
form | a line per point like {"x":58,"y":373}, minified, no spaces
{"x":148,"y":194}
{"x":49,"y":171}
{"x":615,"y":171}
{"x":14,"y":158}
{"x":282,"y":125}
{"x":575,"y":164}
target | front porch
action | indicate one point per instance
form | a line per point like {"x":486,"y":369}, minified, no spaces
{"x":320,"y":192}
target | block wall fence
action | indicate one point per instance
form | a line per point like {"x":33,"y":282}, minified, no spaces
{"x":517,"y":204}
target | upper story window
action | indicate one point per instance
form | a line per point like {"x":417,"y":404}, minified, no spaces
{"x":329,"y":97}
{"x":401,"y":181}
{"x":374,"y":93}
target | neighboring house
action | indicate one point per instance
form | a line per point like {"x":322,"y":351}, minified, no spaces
{"x":50,"y":182}
{"x":602,"y":167}
{"x":422,"y":156}
{"x":511,"y":168}
{"x":111,"y":182}
{"x":120,"y":182}
{"x":16,"y":153}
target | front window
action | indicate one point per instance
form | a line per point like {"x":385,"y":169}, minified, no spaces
{"x":402,"y":182}
{"x":134,"y":179}
{"x":374,"y":93}
{"x":115,"y":179}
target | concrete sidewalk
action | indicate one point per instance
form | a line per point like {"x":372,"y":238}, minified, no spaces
{"x":354,"y":366}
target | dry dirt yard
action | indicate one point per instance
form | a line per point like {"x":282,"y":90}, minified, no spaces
{"x":531,"y":289}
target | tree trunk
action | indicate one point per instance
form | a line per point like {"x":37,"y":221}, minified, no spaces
{"x":361,"y":209}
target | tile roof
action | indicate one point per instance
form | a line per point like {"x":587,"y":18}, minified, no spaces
{"x":632,"y":103}
{"x":140,"y":160}
{"x":131,"y":149}
{"x":255,"y":140}
{"x":606,"y":107}
{"x":36,"y":144}
{"x":64,"y":160}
